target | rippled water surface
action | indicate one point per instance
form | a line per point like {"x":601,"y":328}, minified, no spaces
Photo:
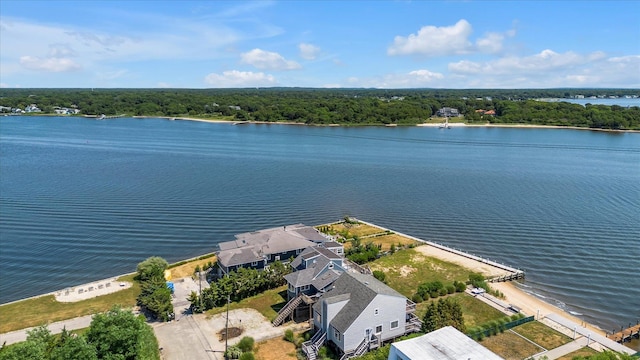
{"x":83,"y":199}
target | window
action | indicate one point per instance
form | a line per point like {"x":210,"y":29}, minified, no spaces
{"x":277,"y":258}
{"x":336,"y":334}
{"x":330,"y":265}
{"x":254,"y":263}
{"x":394,"y":324}
{"x":376,"y":312}
{"x":378,"y":329}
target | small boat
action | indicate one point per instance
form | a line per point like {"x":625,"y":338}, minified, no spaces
{"x":445,"y":125}
{"x":102,"y":117}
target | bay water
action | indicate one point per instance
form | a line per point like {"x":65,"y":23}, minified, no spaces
{"x":83,"y":199}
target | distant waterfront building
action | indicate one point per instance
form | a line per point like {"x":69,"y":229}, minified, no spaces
{"x":256,"y":250}
{"x":448,"y":112}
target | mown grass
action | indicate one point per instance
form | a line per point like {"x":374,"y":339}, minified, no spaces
{"x":585,"y":351}
{"x":510,"y":346}
{"x":268,"y":303}
{"x":542,"y":335}
{"x":189,"y":268}
{"x":407,"y":268}
{"x":45,"y":309}
{"x":359,"y":230}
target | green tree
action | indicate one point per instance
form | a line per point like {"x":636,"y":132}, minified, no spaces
{"x":444,"y":312}
{"x":72,"y":347}
{"x":119,"y":334}
{"x":152,"y":267}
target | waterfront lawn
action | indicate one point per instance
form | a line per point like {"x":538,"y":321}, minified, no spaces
{"x":474,"y":311}
{"x":267,"y":303}
{"x":406,"y":269}
{"x":359,"y":230}
{"x":188,"y":268}
{"x":45,"y":309}
{"x":542,"y":335}
{"x":510,"y":346}
{"x":585,"y":351}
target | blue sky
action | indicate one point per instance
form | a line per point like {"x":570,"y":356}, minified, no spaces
{"x":380,"y":44}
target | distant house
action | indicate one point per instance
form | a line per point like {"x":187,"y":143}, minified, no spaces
{"x":486,"y":112}
{"x":32,"y":108}
{"x":443,"y":344}
{"x":359,"y":313}
{"x":448,"y":112}
{"x":258,"y":249}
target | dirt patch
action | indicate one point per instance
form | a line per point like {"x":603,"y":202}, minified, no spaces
{"x":276,"y":349}
{"x":230,"y":333}
{"x":406,"y":271}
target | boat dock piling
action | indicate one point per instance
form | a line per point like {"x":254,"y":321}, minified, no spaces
{"x":625,"y":335}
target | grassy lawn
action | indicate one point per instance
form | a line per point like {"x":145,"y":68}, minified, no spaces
{"x":45,"y":309}
{"x":510,"y":346}
{"x":542,"y":335}
{"x":359,"y":230}
{"x":387,"y":240}
{"x":268,"y":303}
{"x":474,"y":311}
{"x":407,"y":268}
{"x":189,"y":268}
{"x":585,"y":351}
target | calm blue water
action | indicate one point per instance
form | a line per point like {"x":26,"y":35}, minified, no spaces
{"x":82,"y":199}
{"x":624,"y":102}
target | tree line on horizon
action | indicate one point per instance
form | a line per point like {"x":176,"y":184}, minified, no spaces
{"x":338,"y":106}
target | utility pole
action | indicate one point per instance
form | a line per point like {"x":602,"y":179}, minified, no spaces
{"x":226,"y":333}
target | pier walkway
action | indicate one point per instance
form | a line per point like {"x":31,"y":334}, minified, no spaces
{"x":626,"y":334}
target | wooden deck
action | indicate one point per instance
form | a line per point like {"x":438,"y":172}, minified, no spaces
{"x":626,"y":334}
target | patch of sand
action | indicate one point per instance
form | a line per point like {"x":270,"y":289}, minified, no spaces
{"x":530,"y":305}
{"x":406,"y":270}
{"x":91,"y":290}
{"x":483,"y":268}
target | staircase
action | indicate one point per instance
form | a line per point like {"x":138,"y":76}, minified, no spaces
{"x":287,"y":310}
{"x":361,"y":349}
{"x":310,"y":348}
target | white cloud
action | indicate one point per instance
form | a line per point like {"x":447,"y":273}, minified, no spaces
{"x":448,"y":40}
{"x":50,"y":64}
{"x":549,"y":69}
{"x":235,"y":78}
{"x":411,"y":79}
{"x":3,"y":85}
{"x":434,"y":41}
{"x":262,"y":59}
{"x":163,"y":85}
{"x":308,"y":51}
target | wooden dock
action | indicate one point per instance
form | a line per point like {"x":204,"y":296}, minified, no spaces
{"x":625,"y":335}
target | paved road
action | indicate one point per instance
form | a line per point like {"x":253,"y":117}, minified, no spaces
{"x":55,"y":328}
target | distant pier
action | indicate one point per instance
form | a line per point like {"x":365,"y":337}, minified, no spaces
{"x":625,"y":335}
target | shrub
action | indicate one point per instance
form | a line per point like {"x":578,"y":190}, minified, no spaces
{"x":233,"y":352}
{"x":247,"y":356}
{"x":379,"y":275}
{"x":460,"y":286}
{"x":288,"y":335}
{"x":246,"y":344}
{"x":451,"y":289}
{"x":417,"y":298}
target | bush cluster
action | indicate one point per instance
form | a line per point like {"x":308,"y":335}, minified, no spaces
{"x":154,"y":296}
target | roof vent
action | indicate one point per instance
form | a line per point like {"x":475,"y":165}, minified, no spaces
{"x":366,"y":283}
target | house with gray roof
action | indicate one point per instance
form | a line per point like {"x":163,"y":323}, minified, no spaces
{"x":258,"y":249}
{"x":359,"y":313}
{"x":314,"y":270}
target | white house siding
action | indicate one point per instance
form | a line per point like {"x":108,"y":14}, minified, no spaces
{"x":390,"y":308}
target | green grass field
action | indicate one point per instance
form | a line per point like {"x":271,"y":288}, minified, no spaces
{"x":542,"y":335}
{"x":268,"y":303}
{"x":45,"y":309}
{"x":510,"y":346}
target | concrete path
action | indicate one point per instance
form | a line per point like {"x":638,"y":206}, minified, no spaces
{"x":563,"y":350}
{"x":55,"y":328}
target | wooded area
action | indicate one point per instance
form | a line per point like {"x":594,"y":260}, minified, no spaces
{"x":336,"y":106}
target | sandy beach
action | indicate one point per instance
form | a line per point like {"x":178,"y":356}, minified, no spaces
{"x":529,"y":304}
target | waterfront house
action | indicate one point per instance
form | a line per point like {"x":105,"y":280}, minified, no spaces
{"x":448,"y":112}
{"x":359,"y":313}
{"x":258,"y":249}
{"x":315,"y":269}
{"x":446,"y":343}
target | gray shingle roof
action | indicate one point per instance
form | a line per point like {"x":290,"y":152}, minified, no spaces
{"x":361,"y":290}
{"x":264,"y":242}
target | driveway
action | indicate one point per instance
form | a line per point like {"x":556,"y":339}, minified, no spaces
{"x":196,"y":336}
